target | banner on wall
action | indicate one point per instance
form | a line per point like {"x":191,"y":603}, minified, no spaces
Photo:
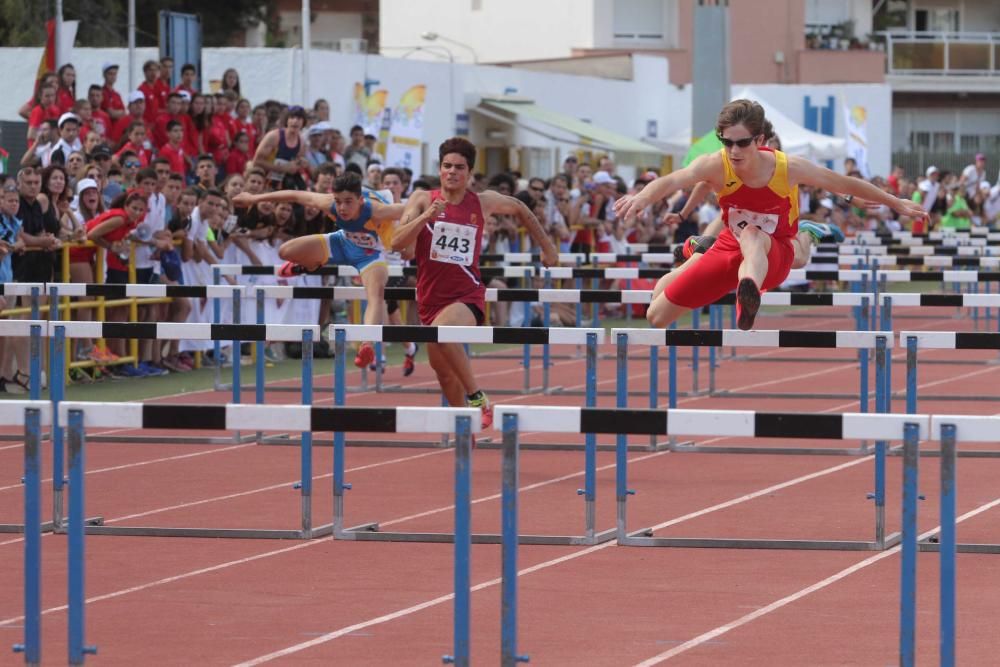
{"x":407,"y":129}
{"x":368,"y":109}
{"x":856,"y":123}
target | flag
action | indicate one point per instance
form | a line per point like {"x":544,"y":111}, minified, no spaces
{"x":66,"y":39}
{"x":406,"y":132}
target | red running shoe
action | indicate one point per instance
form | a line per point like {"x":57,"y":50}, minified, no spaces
{"x":408,"y":365}
{"x":366,"y":355}
{"x":483,"y":403}
{"x":290,"y":270}
{"x":747,"y":303}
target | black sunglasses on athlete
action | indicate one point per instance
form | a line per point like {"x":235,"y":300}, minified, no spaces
{"x":742,"y":143}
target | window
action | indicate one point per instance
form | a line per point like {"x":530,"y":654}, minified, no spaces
{"x":827,"y":12}
{"x":920,"y":140}
{"x":935,"y":20}
{"x":639,"y":21}
{"x":969,"y":143}
{"x":943,"y":141}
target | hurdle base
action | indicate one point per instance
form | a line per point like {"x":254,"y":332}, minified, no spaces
{"x":643,"y":538}
{"x":285,"y":441}
{"x":962,"y":548}
{"x":173,"y":439}
{"x":725,"y":393}
{"x":489,"y":445}
{"x":371,"y":533}
{"x":691,"y":448}
{"x":239,"y":533}
{"x":46,"y":527}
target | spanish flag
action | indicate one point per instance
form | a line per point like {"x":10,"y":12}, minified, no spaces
{"x":48,"y":62}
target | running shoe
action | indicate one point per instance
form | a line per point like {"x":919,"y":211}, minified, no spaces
{"x":691,"y":246}
{"x":290,"y":270}
{"x":408,"y":362}
{"x":365,"y":356}
{"x":821,"y":230}
{"x":150,"y":369}
{"x":482,"y":402}
{"x":747,"y":303}
{"x":372,"y":367}
{"x":271,"y":355}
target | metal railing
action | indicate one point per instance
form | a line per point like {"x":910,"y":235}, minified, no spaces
{"x":943,"y":53}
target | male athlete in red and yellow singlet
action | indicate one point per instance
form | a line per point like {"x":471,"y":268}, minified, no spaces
{"x":756,"y":190}
{"x":444,"y":228}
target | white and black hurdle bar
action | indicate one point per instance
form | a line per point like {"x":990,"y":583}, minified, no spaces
{"x":739,"y":423}
{"x":61,"y":330}
{"x":81,"y":415}
{"x":591,"y":338}
{"x":880,"y":341}
{"x":913,"y":341}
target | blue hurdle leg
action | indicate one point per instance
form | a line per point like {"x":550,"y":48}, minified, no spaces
{"x":463,"y":541}
{"x":911,"y":375}
{"x":306,"y":437}
{"x":261,"y":378}
{"x":621,"y":440}
{"x":75,"y":531}
{"x":32,"y":646}
{"x":908,"y":562}
{"x":56,"y":389}
{"x":590,"y":444}
{"x":508,"y":597}
{"x":339,"y":390}
{"x":947,"y":545}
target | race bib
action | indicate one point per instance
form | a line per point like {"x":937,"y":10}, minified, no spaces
{"x":362,"y":240}
{"x":739,"y":218}
{"x":453,"y":243}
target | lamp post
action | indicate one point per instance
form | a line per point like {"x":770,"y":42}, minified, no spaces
{"x":431,"y":36}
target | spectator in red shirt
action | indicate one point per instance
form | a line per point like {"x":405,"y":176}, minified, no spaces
{"x":112,"y":103}
{"x":149,"y":88}
{"x":201,"y":120}
{"x":189,"y":76}
{"x":137,"y":143}
{"x":244,"y":122}
{"x":136,"y":113}
{"x":47,"y":79}
{"x":101,"y":122}
{"x":46,"y":109}
{"x":239,"y":154}
{"x":173,"y":151}
{"x":231,"y":81}
{"x":167,"y":72}
{"x":85,"y":112}
{"x":66,"y":95}
{"x":171,"y":112}
{"x":216,"y":138}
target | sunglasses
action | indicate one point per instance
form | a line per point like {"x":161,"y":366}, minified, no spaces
{"x":10,"y":187}
{"x":133,"y":164}
{"x":742,"y":143}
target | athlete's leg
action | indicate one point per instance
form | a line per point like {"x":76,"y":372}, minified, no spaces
{"x":373,"y":277}
{"x":310,"y":252}
{"x":802,"y":245}
{"x":754,"y":246}
{"x":662,"y":312}
{"x":449,"y":360}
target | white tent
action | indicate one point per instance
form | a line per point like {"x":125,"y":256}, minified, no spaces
{"x":795,"y":139}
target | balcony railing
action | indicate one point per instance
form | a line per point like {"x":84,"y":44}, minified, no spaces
{"x":943,"y":53}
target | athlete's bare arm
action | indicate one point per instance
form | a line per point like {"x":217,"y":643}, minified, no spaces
{"x":705,"y":168}
{"x":698,"y":195}
{"x":494,"y":203}
{"x":802,"y":171}
{"x":418,"y":211}
{"x":315,"y":199}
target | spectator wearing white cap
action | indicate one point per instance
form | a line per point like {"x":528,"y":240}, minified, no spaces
{"x":136,"y":111}
{"x":973,"y":175}
{"x":69,"y":140}
{"x":112,"y":103}
{"x":316,"y":151}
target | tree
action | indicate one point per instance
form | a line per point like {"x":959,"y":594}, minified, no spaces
{"x":105,"y":22}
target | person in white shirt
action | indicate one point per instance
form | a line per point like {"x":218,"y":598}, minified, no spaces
{"x":69,"y":140}
{"x":973,"y":175}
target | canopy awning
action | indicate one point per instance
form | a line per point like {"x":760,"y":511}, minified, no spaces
{"x":580,"y":132}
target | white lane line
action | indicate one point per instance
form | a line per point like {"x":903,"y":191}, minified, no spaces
{"x":798,"y":595}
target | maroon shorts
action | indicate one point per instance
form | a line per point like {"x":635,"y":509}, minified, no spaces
{"x":715,"y":274}
{"x":476,"y":301}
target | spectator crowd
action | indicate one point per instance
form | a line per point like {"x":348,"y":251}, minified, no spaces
{"x":149,"y":176}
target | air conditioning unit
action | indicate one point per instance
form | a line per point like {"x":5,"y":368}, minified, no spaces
{"x":354,"y":45}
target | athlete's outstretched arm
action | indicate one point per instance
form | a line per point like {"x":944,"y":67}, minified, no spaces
{"x":315,"y":199}
{"x":705,"y":168}
{"x":698,"y":195}
{"x":802,"y":171}
{"x":417,"y":212}
{"x":495,"y":203}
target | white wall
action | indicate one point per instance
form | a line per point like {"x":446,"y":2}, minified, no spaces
{"x":497,"y":31}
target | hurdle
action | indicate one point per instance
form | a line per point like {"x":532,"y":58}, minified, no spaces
{"x":342,"y":334}
{"x":943,"y":340}
{"x":33,"y":330}
{"x":622,"y":421}
{"x":81,"y":415}
{"x":32,"y":415}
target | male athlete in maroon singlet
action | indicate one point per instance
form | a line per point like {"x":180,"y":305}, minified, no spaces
{"x":444,"y":228}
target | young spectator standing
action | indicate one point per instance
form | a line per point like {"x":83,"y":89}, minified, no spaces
{"x":173,"y":151}
{"x":163,"y":84}
{"x":973,"y":175}
{"x":112,"y":102}
{"x":151,"y":90}
{"x":101,"y":121}
{"x":136,"y":114}
{"x":171,"y":112}
{"x":239,"y":154}
{"x":69,"y":140}
{"x":321,"y":109}
{"x":201,"y":121}
{"x":13,"y":351}
{"x":316,"y":152}
{"x":357,"y":152}
{"x":46,"y":80}
{"x":927,"y":195}
{"x":89,"y":205}
{"x":243,"y":114}
{"x":46,"y":109}
{"x":137,"y":143}
{"x":231,"y":81}
{"x":66,"y":95}
{"x":207,"y":174}
{"x":189,"y":76}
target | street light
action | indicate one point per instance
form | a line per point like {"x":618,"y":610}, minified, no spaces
{"x":431,"y":36}
{"x":435,"y":51}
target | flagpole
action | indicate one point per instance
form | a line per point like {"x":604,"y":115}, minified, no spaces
{"x":131,"y":45}
{"x":306,"y":46}
{"x":57,"y":51}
